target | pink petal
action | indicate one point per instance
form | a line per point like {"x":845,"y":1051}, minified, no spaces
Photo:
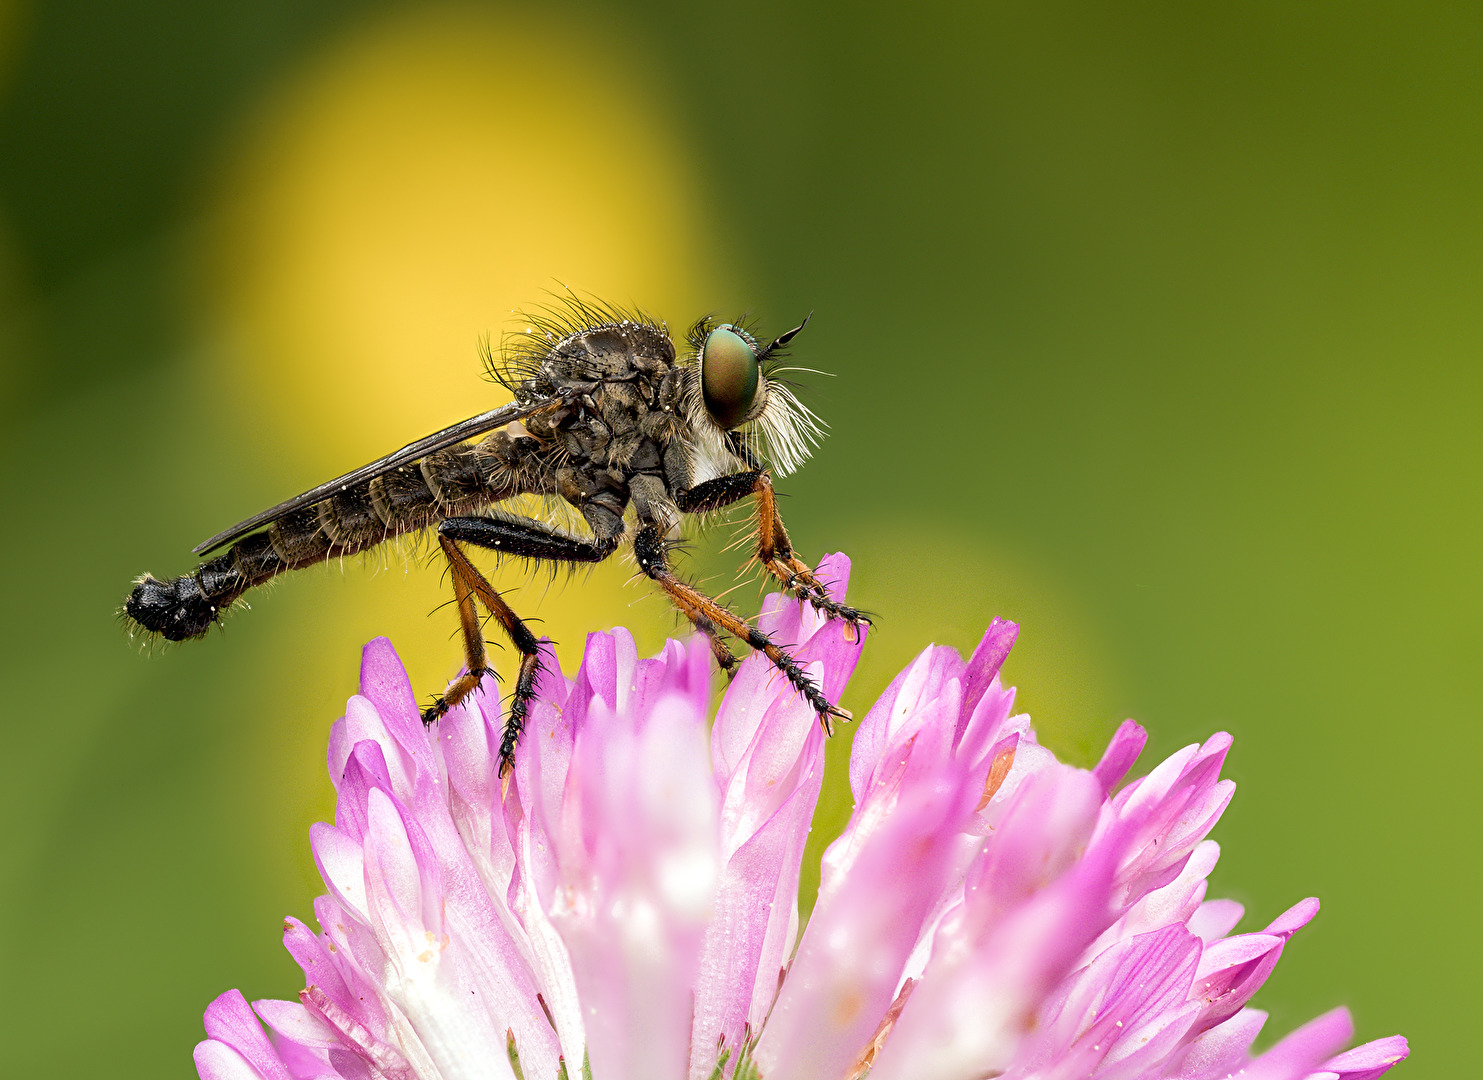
{"x":549,"y":956}
{"x":1369,"y":1061}
{"x":230,"y":1023}
{"x":1295,"y":918}
{"x":293,"y":1020}
{"x":1160,"y":819}
{"x":218,"y":1061}
{"x":404,"y":897}
{"x":847,"y":967}
{"x":749,"y":936}
{"x":1130,"y":998}
{"x":1177,"y":902}
{"x":905,"y":711}
{"x":1302,"y":1052}
{"x":383,"y":680}
{"x":1044,"y":830}
{"x":1215,"y":919}
{"x":982,"y":731}
{"x":972,"y":1009}
{"x":785,"y":746}
{"x":633,"y":902}
{"x":341,"y":864}
{"x":1231,"y":971}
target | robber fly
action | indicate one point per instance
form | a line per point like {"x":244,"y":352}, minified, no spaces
{"x":606,"y":417}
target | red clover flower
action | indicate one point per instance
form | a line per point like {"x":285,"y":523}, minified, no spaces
{"x":628,"y":908}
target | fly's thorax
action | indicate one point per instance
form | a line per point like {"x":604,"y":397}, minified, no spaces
{"x":611,"y":351}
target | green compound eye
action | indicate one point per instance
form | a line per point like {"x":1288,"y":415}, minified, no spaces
{"x":728,"y":376}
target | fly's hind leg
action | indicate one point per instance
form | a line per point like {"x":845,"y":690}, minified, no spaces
{"x":708,"y":615}
{"x":774,"y":549}
{"x":475,"y":654}
{"x":528,"y":539}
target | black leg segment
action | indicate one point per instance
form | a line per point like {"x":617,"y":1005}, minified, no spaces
{"x":527,"y":538}
{"x":520,"y":537}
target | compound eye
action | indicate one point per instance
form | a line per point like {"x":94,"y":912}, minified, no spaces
{"x":728,"y":376}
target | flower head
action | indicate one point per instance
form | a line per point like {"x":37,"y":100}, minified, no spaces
{"x":630,"y":905}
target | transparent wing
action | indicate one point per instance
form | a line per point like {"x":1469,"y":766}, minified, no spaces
{"x":431,"y":444}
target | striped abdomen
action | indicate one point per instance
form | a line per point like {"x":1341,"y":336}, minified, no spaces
{"x":460,"y":480}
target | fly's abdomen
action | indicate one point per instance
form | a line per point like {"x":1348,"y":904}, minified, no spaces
{"x":460,"y":480}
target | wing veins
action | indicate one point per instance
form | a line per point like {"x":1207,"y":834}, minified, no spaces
{"x":414,"y":451}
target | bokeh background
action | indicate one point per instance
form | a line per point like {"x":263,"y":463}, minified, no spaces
{"x":1156,"y":327}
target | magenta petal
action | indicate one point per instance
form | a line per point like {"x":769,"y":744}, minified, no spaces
{"x":786,"y":744}
{"x":1160,"y":819}
{"x":1043,"y":832}
{"x":1130,"y":997}
{"x":297,"y":1023}
{"x":469,"y":748}
{"x":987,"y":910}
{"x":229,"y":1021}
{"x":546,"y":747}
{"x":405,"y":897}
{"x":983,"y":666}
{"x":1369,"y":1061}
{"x":790,"y":622}
{"x":1127,"y":743}
{"x":982,"y":733}
{"x":1176,"y":902}
{"x":319,"y":970}
{"x":1301,"y":1052}
{"x":1231,"y":971}
{"x":1222,"y":1051}
{"x":366,"y":769}
{"x":548,"y":953}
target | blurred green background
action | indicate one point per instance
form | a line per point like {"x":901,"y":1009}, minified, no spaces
{"x":1156,"y":327}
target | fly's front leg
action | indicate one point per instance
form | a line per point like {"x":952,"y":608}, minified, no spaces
{"x":649,"y":549}
{"x":527,"y":539}
{"x":774,"y":549}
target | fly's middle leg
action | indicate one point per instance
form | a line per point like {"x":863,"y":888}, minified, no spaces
{"x":649,"y":548}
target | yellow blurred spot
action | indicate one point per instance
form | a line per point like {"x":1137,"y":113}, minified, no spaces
{"x":389,"y":207}
{"x":947,"y":592}
{"x":420,"y":182}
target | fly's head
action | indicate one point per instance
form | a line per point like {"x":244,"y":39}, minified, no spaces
{"x":733,"y":383}
{"x":621,"y":368}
